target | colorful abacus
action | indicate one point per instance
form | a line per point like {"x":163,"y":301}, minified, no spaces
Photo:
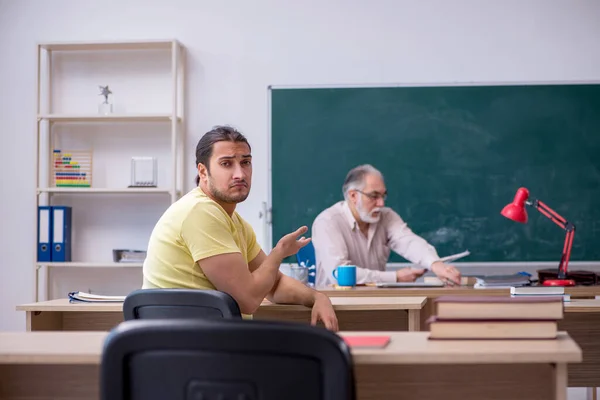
{"x":72,"y":168}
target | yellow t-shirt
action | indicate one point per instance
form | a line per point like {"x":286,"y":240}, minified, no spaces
{"x":193,"y":228}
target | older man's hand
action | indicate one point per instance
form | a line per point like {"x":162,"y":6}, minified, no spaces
{"x":448,"y":274}
{"x":409,"y":274}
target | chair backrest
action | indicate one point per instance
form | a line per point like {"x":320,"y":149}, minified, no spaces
{"x":225,"y":360}
{"x":307,"y":255}
{"x":179,"y":303}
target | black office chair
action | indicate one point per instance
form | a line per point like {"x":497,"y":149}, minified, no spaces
{"x":197,"y":359}
{"x":179,"y":303}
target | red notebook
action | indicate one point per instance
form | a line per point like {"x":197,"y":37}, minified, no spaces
{"x":377,"y":342}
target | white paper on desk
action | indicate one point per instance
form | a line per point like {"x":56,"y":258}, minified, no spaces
{"x":455,"y":257}
{"x":83,"y":296}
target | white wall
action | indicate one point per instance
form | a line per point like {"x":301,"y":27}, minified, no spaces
{"x":237,"y":48}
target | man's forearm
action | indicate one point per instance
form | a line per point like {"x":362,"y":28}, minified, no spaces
{"x":291,"y":291}
{"x":265,"y":276}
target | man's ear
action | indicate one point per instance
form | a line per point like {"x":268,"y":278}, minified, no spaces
{"x":352,"y":196}
{"x":202,"y":171}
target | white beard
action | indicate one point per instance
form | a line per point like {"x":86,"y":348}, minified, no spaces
{"x":365,"y":216}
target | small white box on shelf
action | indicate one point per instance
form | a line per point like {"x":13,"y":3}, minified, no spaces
{"x":143,"y":172}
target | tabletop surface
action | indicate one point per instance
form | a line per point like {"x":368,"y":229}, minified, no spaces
{"x":62,"y":347}
{"x":370,"y":291}
{"x":339,"y":303}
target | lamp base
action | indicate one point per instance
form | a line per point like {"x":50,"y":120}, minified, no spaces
{"x":559,"y":282}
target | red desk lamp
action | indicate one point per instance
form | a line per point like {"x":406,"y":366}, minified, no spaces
{"x":516,"y":211}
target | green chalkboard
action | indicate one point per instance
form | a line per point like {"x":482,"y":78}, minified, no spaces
{"x":452,"y":157}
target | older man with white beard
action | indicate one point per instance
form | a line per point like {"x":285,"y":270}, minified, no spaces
{"x":361,"y":231}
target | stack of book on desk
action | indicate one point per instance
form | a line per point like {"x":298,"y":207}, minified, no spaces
{"x":496,"y":317}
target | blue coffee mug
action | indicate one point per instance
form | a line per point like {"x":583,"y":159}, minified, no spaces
{"x":345,"y":275}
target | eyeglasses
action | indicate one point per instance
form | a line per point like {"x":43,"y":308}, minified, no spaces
{"x":374,"y":195}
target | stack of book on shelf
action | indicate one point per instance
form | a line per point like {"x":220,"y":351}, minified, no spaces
{"x":496,"y":317}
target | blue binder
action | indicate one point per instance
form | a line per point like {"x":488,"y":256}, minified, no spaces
{"x":44,"y":247}
{"x":61,"y":233}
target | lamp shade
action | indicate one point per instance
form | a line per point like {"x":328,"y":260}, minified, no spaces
{"x":516,"y":210}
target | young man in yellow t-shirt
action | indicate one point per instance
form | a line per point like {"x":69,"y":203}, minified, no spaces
{"x":200,"y":242}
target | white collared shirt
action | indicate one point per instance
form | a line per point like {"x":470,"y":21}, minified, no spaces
{"x":338,"y":240}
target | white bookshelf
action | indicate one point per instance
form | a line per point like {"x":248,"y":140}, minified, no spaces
{"x":61,"y":112}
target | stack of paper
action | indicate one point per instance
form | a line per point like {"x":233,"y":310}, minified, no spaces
{"x":94,"y":298}
{"x":503,"y":281}
{"x":454,"y":257}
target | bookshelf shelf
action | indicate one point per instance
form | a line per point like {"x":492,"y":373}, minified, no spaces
{"x":75,"y":264}
{"x":107,"y":46}
{"x":65,"y":190}
{"x":108,"y":118}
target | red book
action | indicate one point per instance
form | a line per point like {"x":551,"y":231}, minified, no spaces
{"x":367,"y":341}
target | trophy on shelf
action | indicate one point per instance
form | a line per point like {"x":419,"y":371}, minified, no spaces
{"x":105,"y":107}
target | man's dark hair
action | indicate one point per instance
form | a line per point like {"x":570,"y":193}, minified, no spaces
{"x":216,"y":134}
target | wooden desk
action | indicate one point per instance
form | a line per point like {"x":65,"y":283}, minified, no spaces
{"x":357,"y":313}
{"x":576,"y":292}
{"x":60,"y":315}
{"x":360,"y":313}
{"x":65,"y":366}
{"x":583,"y":306}
{"x":582,"y":319}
